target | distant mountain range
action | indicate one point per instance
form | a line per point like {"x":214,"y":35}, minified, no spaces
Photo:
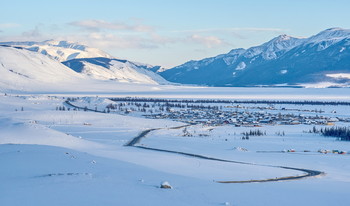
{"x":322,"y":60}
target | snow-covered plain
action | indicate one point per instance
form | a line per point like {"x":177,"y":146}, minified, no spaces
{"x":52,"y":157}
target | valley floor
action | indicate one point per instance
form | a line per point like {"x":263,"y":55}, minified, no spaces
{"x":55,"y":157}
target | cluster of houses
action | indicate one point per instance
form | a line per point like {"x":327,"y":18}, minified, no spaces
{"x":248,"y":115}
{"x":272,"y":107}
{"x":325,"y":151}
{"x":241,"y":118}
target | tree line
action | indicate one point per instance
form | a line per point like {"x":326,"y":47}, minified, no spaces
{"x":342,"y":133}
{"x":305,"y":102}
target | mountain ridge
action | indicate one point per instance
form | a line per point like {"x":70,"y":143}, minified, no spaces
{"x":274,"y":63}
{"x":116,"y":69}
{"x":60,"y":50}
{"x":66,"y":51}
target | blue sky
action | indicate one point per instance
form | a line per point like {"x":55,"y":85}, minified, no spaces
{"x":168,"y":33}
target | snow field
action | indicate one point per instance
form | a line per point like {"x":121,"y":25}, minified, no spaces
{"x":77,"y":158}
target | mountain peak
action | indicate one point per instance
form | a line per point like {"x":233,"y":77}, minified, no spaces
{"x":283,"y":37}
{"x":60,"y":50}
{"x":236,"y":51}
{"x":65,"y":44}
{"x":284,"y":60}
{"x":335,"y":29}
{"x":331,"y":34}
{"x":270,"y":49}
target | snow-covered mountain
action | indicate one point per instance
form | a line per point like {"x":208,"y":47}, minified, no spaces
{"x":92,"y":62}
{"x":284,"y":60}
{"x":21,"y":69}
{"x":60,"y":50}
{"x":116,"y":69}
{"x":24,"y":70}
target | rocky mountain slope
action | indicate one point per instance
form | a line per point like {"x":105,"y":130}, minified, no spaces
{"x":322,"y":59}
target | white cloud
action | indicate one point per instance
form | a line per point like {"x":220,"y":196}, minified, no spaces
{"x":108,"y":36}
{"x":208,"y":41}
{"x":98,"y":25}
{"x":113,"y":41}
{"x":214,"y":35}
{"x":32,"y":34}
{"x":233,"y":29}
{"x":257,"y":29}
{"x":9,"y":25}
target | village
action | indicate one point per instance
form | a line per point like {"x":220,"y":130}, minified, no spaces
{"x":215,"y":114}
{"x":241,"y":118}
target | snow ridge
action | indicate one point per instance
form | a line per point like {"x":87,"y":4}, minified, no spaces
{"x":116,"y":70}
{"x":60,"y":50}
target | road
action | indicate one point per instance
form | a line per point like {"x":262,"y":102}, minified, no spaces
{"x":136,"y":140}
{"x":306,"y":172}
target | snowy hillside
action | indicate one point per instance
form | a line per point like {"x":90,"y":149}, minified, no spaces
{"x":25,"y":70}
{"x":60,"y":50}
{"x":284,"y":60}
{"x":115,"y":69}
{"x":69,"y":157}
{"x":101,"y":66}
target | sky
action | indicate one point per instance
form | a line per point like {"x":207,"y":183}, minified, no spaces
{"x":167,"y":32}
